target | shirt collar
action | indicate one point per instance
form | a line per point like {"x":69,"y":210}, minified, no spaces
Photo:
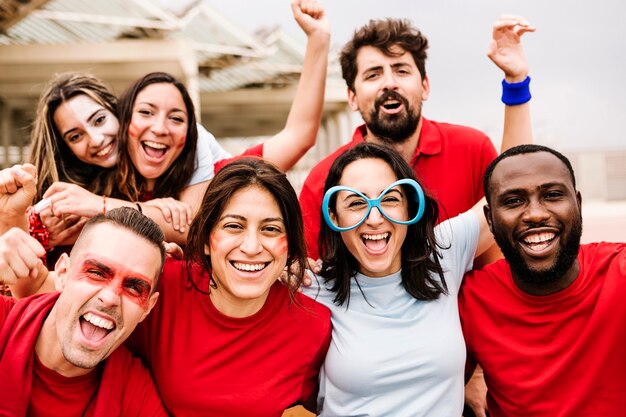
{"x":429,"y":142}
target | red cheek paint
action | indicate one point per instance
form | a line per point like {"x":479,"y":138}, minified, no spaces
{"x":133,"y":130}
{"x":281,"y":246}
{"x":180,"y":142}
{"x":121,"y":280}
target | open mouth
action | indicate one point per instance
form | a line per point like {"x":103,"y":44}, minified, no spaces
{"x":392,"y":104}
{"x":95,"y":328}
{"x":376,"y":242}
{"x":106,"y":151}
{"x":154,"y":149}
{"x":538,"y":242}
{"x":249,"y":267}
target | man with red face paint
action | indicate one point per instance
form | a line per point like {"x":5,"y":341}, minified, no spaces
{"x":60,"y":352}
{"x":547,"y":323}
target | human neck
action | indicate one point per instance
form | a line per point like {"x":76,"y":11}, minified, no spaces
{"x":235,"y":307}
{"x":549,"y":288}
{"x":48,"y":349}
{"x":406,"y":148}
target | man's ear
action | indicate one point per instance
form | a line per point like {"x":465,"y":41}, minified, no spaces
{"x":426,"y":88}
{"x":352,"y":100}
{"x":579,"y":198}
{"x":62,"y":269}
{"x":487,"y":212}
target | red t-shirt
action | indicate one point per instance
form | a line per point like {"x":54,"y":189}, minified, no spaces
{"x":207,"y":364}
{"x":55,"y":395}
{"x":449,"y":163}
{"x":256,"y":150}
{"x":119,"y":386}
{"x":560,"y":355}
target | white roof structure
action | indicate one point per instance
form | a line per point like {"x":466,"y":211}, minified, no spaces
{"x":243,"y":84}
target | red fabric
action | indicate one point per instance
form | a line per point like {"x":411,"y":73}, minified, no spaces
{"x":38,"y":230}
{"x":256,"y":150}
{"x":55,"y":395}
{"x":449,"y":162}
{"x":551,"y":356}
{"x":125,"y":389}
{"x":208,"y":364}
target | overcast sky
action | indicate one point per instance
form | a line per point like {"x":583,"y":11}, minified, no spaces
{"x":577,"y":58}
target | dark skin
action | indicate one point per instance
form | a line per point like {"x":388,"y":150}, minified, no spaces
{"x":534,"y":205}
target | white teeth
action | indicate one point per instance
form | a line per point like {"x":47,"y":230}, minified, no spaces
{"x":376,"y":237}
{"x":248,"y":267}
{"x":154,"y":145}
{"x":98,"y":321}
{"x":539,"y":238}
{"x":104,"y":150}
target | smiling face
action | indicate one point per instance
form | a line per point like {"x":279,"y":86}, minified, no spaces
{"x":157,"y":130}
{"x":89,"y":129}
{"x":377,"y":243}
{"x":535,"y":215}
{"x":388,"y":92}
{"x":248,"y":249}
{"x":106,"y":290}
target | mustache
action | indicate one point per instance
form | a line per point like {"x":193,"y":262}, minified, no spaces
{"x":391,"y":95}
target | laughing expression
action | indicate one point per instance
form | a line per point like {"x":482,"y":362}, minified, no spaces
{"x":248,"y":249}
{"x":535,"y":215}
{"x":157,"y":131}
{"x":106,"y":290}
{"x":89,"y":130}
{"x":388,"y":92}
{"x":376,"y":244}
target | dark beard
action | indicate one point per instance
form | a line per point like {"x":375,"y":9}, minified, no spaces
{"x":395,"y":128}
{"x":564,"y":258}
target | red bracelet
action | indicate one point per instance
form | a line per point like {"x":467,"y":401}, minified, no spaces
{"x":104,"y":204}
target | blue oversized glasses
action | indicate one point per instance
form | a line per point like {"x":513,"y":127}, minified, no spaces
{"x":356,"y":207}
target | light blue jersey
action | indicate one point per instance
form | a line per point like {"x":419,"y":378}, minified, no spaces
{"x":393,"y":355}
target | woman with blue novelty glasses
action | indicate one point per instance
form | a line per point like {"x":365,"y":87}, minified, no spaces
{"x":391,"y":279}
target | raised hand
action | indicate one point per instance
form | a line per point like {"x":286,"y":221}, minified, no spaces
{"x":20,"y":256}
{"x":18,"y":186}
{"x":310,"y":16}
{"x":506,"y":49}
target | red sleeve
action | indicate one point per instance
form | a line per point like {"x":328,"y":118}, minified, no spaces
{"x":6,"y":304}
{"x":488,"y":154}
{"x":140,"y":396}
{"x":256,"y":150}
{"x":311,"y":206}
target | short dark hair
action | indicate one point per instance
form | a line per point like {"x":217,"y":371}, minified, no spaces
{"x":129,"y":182}
{"x":238,"y":175}
{"x":519,"y":150}
{"x":133,"y":221}
{"x":384,"y":34}
{"x":420,"y":257}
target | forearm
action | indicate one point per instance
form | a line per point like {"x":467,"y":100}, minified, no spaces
{"x":304,"y":119}
{"x":9,"y":221}
{"x":517,"y":126}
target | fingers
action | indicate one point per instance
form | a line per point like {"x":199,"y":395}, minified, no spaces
{"x":312,"y":8}
{"x":19,"y":256}
{"x":173,"y":250}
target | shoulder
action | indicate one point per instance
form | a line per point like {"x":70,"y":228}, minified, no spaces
{"x":597,"y":255}
{"x":458,"y":131}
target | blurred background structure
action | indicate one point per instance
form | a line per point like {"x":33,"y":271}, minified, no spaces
{"x":241,"y":60}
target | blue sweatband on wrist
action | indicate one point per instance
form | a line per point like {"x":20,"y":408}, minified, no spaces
{"x":516,"y":93}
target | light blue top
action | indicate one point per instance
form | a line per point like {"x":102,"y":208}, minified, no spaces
{"x":394,"y":355}
{"x":208,"y":152}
